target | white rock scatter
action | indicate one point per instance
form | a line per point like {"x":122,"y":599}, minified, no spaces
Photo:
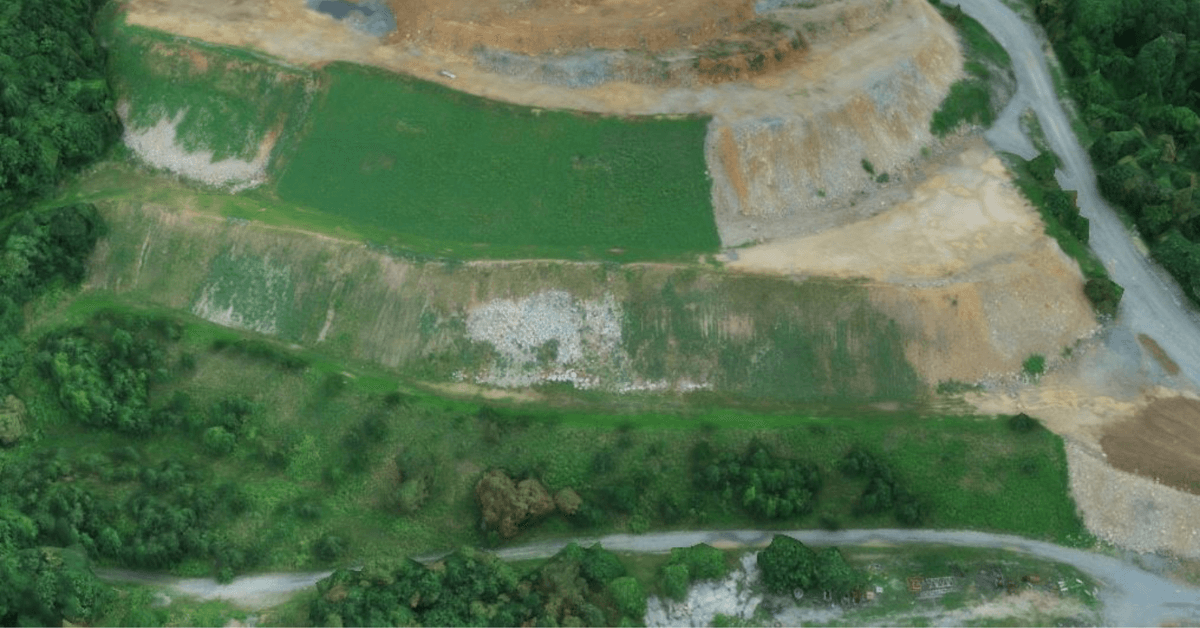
{"x":732,"y":596}
{"x":586,"y":332}
{"x":157,"y":146}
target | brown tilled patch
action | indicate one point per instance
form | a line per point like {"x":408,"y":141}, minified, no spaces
{"x":1160,"y":355}
{"x":727,"y":148}
{"x":1161,"y":442}
{"x":199,"y":61}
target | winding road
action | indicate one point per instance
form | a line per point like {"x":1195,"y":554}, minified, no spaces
{"x":1153,"y":305}
{"x":1131,"y":595}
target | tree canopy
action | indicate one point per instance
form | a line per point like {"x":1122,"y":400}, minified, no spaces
{"x":1134,"y":71}
{"x":56,"y":108}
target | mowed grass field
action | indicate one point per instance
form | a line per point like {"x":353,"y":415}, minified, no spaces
{"x":395,"y":152}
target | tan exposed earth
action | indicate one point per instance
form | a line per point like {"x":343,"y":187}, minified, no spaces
{"x":961,"y":264}
{"x":555,"y":25}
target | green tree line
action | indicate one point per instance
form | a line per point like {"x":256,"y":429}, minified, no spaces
{"x":1134,"y":69}
{"x":56,"y":108}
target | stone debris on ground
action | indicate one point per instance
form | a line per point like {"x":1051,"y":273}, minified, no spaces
{"x":733,"y":597}
{"x":1131,"y":511}
{"x":158,"y":146}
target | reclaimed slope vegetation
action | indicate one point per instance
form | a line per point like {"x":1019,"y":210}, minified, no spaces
{"x":415,"y":156}
{"x":230,"y":103}
{"x":315,"y":463}
{"x":506,"y":324}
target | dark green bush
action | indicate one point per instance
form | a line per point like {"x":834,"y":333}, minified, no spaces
{"x":1023,"y":423}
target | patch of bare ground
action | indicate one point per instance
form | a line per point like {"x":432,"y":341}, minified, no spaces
{"x":961,"y":264}
{"x":1159,"y":354}
{"x":466,"y":389}
{"x":1127,"y":445}
{"x":1161,"y":441}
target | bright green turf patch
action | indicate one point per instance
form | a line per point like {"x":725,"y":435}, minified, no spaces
{"x":394,"y":152}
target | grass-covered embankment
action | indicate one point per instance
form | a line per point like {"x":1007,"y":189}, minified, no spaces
{"x":226,"y":100}
{"x":411,"y":155}
{"x":1064,"y":223}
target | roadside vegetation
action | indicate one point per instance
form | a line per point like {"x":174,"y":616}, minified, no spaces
{"x":1064,"y":223}
{"x":398,"y":152}
{"x":162,"y":444}
{"x":987,"y":66}
{"x":1132,"y":67}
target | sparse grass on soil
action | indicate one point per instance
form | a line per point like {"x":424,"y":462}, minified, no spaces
{"x":404,"y":154}
{"x":764,"y":339}
{"x":136,"y":605}
{"x":1035,"y":191}
{"x":232,"y":98}
{"x":816,"y":340}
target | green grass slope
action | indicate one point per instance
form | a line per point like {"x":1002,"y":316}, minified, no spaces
{"x":414,"y":156}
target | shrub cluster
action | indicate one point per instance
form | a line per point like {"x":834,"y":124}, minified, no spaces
{"x":576,"y":587}
{"x":766,"y":486}
{"x":884,"y":491}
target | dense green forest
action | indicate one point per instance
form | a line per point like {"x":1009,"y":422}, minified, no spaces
{"x":1134,"y":70}
{"x":56,"y":108}
{"x":56,"y":115}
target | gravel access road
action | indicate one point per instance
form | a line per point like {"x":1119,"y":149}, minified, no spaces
{"x":1153,"y":304}
{"x":1131,"y":595}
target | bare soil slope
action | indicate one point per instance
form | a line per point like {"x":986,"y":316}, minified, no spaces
{"x":960,"y":261}
{"x":534,"y":27}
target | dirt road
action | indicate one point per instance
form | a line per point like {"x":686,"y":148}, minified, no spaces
{"x":1131,"y":595}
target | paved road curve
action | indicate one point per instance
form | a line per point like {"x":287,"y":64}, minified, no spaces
{"x":1131,"y":595}
{"x":1153,"y":303}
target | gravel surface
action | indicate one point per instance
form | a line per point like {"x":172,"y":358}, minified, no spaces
{"x":730,"y":596}
{"x":1129,"y":510}
{"x":588,"y":333}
